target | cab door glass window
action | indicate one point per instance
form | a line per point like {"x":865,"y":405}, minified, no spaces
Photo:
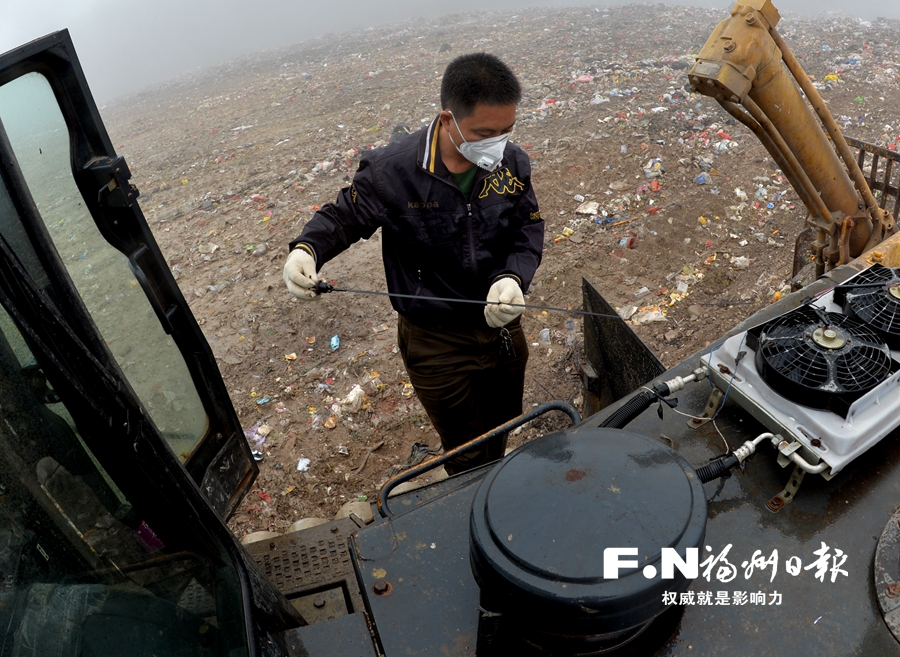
{"x":81,"y":573}
{"x":148,"y":357}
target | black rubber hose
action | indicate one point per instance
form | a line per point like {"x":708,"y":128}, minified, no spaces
{"x":488,"y":641}
{"x":634,"y":407}
{"x":721,"y":467}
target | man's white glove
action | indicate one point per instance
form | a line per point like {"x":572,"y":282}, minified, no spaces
{"x":300,"y":275}
{"x":504,"y":291}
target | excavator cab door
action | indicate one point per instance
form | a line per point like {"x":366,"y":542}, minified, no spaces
{"x":121,"y":456}
{"x":70,"y":215}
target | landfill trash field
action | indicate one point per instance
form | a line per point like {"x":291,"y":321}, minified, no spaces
{"x":676,"y":214}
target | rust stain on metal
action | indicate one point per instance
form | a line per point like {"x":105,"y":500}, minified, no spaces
{"x":575,"y":475}
{"x":775,"y":503}
{"x":893,"y":590}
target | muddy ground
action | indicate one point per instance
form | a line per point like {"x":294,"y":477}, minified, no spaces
{"x":233,"y":161}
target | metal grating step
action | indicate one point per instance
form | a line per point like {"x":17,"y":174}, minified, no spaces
{"x":312,"y":560}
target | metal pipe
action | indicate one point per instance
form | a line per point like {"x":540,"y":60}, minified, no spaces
{"x":415,"y":471}
{"x":803,"y":463}
{"x":746,"y":450}
{"x":821,"y":243}
{"x":324,"y":287}
{"x":805,"y":192}
{"x":758,"y":115}
{"x":679,"y":382}
{"x":741,"y":63}
{"x":749,"y":448}
{"x":812,"y":95}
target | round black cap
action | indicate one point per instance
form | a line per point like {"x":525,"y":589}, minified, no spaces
{"x":542,"y":518}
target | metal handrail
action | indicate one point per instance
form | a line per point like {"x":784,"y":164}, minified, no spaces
{"x":430,"y":464}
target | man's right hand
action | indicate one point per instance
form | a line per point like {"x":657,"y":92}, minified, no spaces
{"x":300,"y":275}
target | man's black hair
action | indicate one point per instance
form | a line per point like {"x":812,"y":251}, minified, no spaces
{"x":478,"y":78}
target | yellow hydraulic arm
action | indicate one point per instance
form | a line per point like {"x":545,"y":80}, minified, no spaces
{"x":747,"y":66}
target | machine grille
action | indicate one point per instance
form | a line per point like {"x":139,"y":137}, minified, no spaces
{"x":873,"y":297}
{"x":821,"y":359}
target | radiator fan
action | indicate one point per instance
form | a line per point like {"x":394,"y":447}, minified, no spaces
{"x":873,"y":297}
{"x":820,"y":359}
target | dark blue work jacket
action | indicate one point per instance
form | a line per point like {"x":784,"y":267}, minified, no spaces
{"x":435,"y":241}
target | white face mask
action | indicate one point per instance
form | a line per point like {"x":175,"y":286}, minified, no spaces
{"x":486,"y":153}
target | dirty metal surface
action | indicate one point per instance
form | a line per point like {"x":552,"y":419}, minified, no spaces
{"x":311,"y":566}
{"x":887,"y":574}
{"x":423,"y":598}
{"x":346,"y":636}
{"x":618,"y":357}
{"x":847,"y":513}
{"x":416,"y":574}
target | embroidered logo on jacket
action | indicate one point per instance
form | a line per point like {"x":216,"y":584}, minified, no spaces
{"x":502,"y":182}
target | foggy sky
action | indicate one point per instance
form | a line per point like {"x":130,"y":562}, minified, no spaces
{"x":125,"y":45}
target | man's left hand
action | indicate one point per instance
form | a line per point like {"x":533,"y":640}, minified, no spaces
{"x":497,"y":312}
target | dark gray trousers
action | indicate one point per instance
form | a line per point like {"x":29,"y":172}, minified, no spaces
{"x":465,"y":383}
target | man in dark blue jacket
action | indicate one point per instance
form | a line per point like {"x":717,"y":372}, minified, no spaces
{"x":459,"y":220}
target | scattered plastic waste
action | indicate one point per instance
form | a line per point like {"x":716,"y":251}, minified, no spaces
{"x":335,"y":342}
{"x":628,"y":312}
{"x":571,"y":333}
{"x":703,"y":179}
{"x":353,"y":402}
{"x":694,"y":133}
{"x":588,"y":207}
{"x":649,"y":316}
{"x":654,"y":168}
{"x":303,"y":464}
{"x":256,"y":439}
